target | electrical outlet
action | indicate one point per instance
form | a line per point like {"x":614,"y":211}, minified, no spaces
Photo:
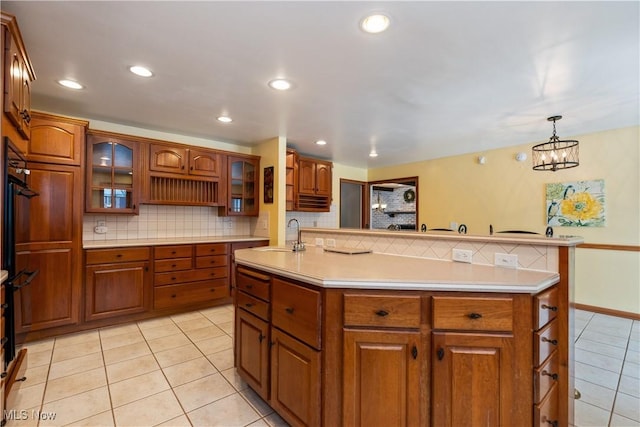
{"x":461,"y":255}
{"x":331,"y":243}
{"x":263,"y":224}
{"x":506,"y":260}
{"x":100,"y":229}
{"x":319,"y":241}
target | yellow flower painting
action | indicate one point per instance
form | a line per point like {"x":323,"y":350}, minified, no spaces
{"x":576,"y":204}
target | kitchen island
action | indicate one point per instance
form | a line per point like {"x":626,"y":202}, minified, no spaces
{"x":381,"y":339}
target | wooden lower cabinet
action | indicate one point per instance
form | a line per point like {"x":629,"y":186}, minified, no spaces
{"x":472,"y":380}
{"x":295,"y":380}
{"x":252,"y":335}
{"x":382,"y":376}
{"x":116,"y":289}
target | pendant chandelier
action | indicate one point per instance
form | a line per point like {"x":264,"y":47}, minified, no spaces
{"x":556,"y":153}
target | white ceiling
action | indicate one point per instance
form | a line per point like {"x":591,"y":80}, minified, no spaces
{"x":447,"y":77}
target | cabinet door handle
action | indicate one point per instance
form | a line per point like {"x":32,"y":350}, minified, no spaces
{"x":474,"y":315}
{"x":382,"y":313}
{"x":552,"y":342}
{"x":414,"y":352}
{"x":289,"y":310}
{"x":212,"y":289}
{"x":554,"y":423}
{"x":249,"y":286}
{"x":119,"y":256}
{"x":549,"y":307}
{"x":553,"y":376}
{"x":440,"y":353}
{"x":173,"y":278}
{"x":173,"y":295}
{"x":260,"y":338}
{"x":248,"y":305}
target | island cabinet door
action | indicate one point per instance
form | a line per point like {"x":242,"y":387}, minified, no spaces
{"x":473,"y":380}
{"x":252,"y":351}
{"x":381,"y":383}
{"x":295,"y":380}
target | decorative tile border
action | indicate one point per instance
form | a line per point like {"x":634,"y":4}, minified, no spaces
{"x":530,"y":256}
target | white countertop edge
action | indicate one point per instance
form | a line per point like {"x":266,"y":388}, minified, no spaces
{"x":119,"y":243}
{"x":4,"y":275}
{"x":453,"y":287}
{"x":535,"y":239}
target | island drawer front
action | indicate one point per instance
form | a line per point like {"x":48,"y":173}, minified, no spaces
{"x":382,"y":310}
{"x":545,"y":307}
{"x":296,"y":310}
{"x":187,"y":293}
{"x":253,"y":305}
{"x":476,"y":314}
{"x":190,"y":275}
{"x":253,"y":283}
{"x":107,"y":256}
{"x":211,"y":261}
{"x":164,"y":265}
{"x":544,"y":377}
{"x":176,"y":251}
{"x":211,"y":249}
{"x":545,"y":413}
{"x":545,"y":342}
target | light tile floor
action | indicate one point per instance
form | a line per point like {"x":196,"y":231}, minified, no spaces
{"x":178,"y":371}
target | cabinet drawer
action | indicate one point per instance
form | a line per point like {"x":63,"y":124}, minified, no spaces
{"x":382,"y":310}
{"x":545,"y":414}
{"x":189,"y":293}
{"x":211,"y":249}
{"x":545,"y":307}
{"x":190,"y":275}
{"x":253,"y":283}
{"x":545,"y":342}
{"x":296,"y":311}
{"x":211,"y":261}
{"x":107,"y":256}
{"x":253,"y":305}
{"x":544,"y":377}
{"x":476,"y":314}
{"x":172,"y":265}
{"x":179,"y":251}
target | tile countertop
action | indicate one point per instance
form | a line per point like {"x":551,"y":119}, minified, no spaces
{"x":101,"y":244}
{"x":380,"y":271}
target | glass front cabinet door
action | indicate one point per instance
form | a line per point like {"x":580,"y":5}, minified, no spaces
{"x":243,"y":186}
{"x":112,"y":175}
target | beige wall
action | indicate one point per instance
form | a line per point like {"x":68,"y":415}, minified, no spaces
{"x":510,"y":195}
{"x":272,"y":152}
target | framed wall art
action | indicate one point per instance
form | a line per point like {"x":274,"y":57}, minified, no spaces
{"x":268,"y":184}
{"x":576,"y":204}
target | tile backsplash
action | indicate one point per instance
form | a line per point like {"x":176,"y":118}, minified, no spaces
{"x":159,"y":221}
{"x":312,"y":219}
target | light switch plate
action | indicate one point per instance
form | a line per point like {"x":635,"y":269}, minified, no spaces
{"x":319,"y":241}
{"x":461,"y":255}
{"x":506,"y":260}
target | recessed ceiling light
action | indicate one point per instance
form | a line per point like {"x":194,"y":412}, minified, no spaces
{"x":70,"y":84}
{"x":141,"y":71}
{"x":373,"y":153}
{"x":375,"y":23}
{"x":280,"y":84}
{"x":225,"y":119}
{"x":321,"y":142}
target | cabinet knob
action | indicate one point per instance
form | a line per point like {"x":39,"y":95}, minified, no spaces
{"x":119,"y":256}
{"x":212,"y":289}
{"x":552,"y":342}
{"x":549,"y":307}
{"x":289,"y":310}
{"x":382,"y":313}
{"x":414,"y":352}
{"x":474,"y":315}
{"x":440,"y":353}
{"x":173,"y":295}
{"x":173,"y":278}
{"x":248,"y":305}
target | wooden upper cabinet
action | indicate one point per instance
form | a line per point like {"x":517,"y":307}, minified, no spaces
{"x":205,"y":163}
{"x":314,"y":177}
{"x":56,"y":140}
{"x":184,"y":161}
{"x":18,"y":74}
{"x":242,"y":186}
{"x":113,"y":169}
{"x":165,"y":158}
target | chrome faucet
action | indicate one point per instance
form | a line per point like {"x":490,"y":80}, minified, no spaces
{"x":298,"y":245}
